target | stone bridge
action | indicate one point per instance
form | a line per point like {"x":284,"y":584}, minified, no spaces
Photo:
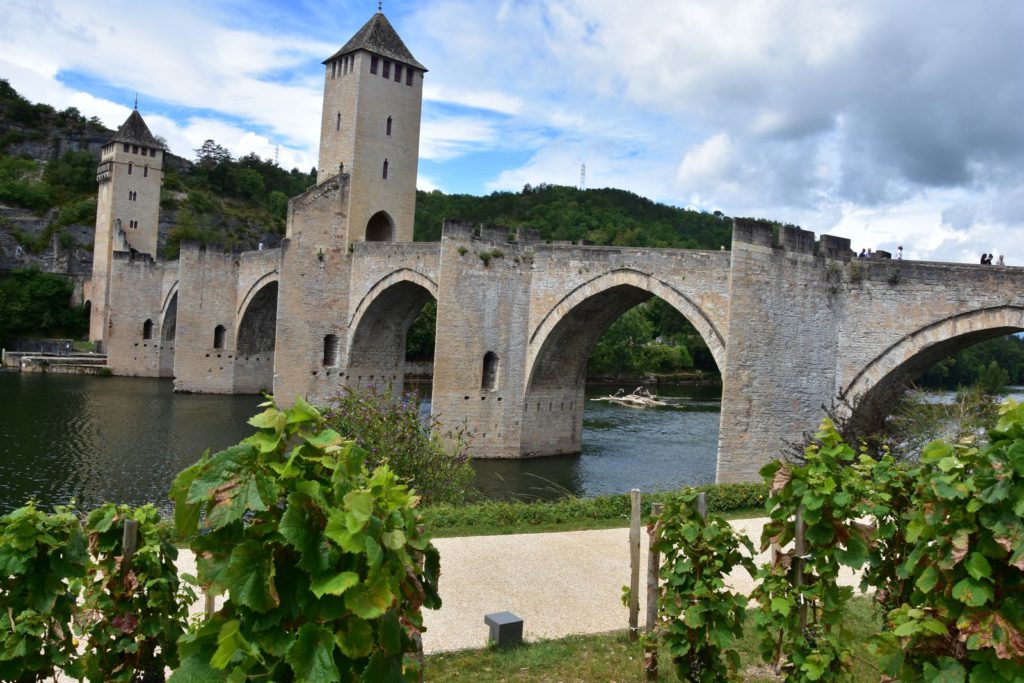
{"x":793,"y":324}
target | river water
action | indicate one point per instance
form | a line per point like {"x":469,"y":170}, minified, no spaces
{"x":121,"y":439}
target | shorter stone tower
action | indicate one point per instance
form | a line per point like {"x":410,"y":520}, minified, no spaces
{"x":370,"y":131}
{"x":127,"y":208}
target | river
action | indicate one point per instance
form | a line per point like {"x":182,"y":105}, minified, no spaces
{"x":123,"y":439}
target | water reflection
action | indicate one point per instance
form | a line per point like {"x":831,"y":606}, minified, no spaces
{"x":124,"y":439}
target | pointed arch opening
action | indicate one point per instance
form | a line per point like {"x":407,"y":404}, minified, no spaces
{"x":573,"y":336}
{"x":392,"y":334}
{"x":380,"y":228}
{"x":257,"y":338}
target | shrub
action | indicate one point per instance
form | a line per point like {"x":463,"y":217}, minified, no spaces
{"x":699,"y":619}
{"x":325,"y":565}
{"x":42,"y":561}
{"x":964,"y":617}
{"x":389,"y":428}
{"x":134,"y":612}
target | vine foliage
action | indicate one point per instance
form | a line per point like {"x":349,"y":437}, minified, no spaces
{"x":699,"y":617}
{"x":324,"y":565}
{"x":133,"y":610}
{"x":801,"y":603}
{"x":964,"y":616}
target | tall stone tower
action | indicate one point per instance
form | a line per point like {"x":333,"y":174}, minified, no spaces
{"x":127,"y":208}
{"x":373,"y":93}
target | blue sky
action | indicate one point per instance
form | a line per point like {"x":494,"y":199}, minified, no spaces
{"x":889,"y":123}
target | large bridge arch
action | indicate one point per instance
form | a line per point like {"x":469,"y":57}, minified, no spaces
{"x":168,"y":331}
{"x":378,"y":327}
{"x":256,"y":337}
{"x":872,"y":390}
{"x":561,"y":343}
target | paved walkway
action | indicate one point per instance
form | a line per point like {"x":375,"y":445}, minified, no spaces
{"x":559,"y":583}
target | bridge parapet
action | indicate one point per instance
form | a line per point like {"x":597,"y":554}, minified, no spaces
{"x":500,"y":234}
{"x":752,"y":231}
{"x":797,"y":240}
{"x":835,"y":247}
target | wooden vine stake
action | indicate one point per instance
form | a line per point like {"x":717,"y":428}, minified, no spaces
{"x":129,"y":543}
{"x":653,"y":565}
{"x":634,"y":562}
{"x":800,"y":548}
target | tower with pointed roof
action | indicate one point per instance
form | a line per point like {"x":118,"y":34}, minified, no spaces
{"x":370,"y":130}
{"x":127,"y":207}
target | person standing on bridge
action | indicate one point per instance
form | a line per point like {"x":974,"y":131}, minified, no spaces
{"x":1000,"y":262}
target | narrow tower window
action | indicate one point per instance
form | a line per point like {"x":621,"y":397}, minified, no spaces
{"x":408,"y":76}
{"x":334,"y":69}
{"x":145,"y":171}
{"x":337,"y":123}
{"x":389,"y":125}
{"x":489,"y":381}
{"x":373,"y":64}
{"x":330,"y":350}
{"x":387,"y":69}
{"x":385,"y":169}
{"x":398,"y":73}
{"x":147,"y":329}
{"x":127,"y":147}
{"x":218,"y":337}
{"x":129,"y":168}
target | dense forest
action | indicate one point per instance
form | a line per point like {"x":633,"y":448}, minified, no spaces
{"x":48,"y":165}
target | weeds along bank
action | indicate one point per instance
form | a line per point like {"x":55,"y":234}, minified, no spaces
{"x":326,"y":565}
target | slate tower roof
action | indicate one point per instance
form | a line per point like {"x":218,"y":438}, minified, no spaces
{"x":135,"y":131}
{"x":379,"y":37}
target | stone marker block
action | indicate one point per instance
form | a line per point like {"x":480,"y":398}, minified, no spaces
{"x":506,"y":629}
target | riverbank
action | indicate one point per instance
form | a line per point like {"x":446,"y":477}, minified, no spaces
{"x":495,"y":518}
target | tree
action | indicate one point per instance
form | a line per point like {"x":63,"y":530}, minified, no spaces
{"x":210,"y":155}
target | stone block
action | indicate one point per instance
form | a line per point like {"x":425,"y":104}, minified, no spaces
{"x":506,"y":629}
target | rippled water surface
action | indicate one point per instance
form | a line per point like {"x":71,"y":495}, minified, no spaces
{"x":123,"y":439}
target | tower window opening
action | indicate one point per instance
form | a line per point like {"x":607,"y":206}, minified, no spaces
{"x":152,"y":153}
{"x":334,"y":69}
{"x":373,"y":64}
{"x":135,"y":149}
{"x":408,"y":76}
{"x":337,"y":123}
{"x":489,"y":379}
{"x":385,"y":169}
{"x":145,"y":171}
{"x":218,"y":337}
{"x":387,"y":69}
{"x":147,"y":329}
{"x":127,"y":147}
{"x":129,"y":168}
{"x":389,"y":125}
{"x":398,"y":73}
{"x":330,"y":350}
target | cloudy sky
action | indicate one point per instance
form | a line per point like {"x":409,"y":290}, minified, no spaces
{"x":886,"y":121}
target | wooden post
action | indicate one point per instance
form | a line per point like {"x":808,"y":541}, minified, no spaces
{"x":800,"y":549}
{"x":653,"y":565}
{"x":634,"y":563}
{"x":129,"y":543}
{"x":702,"y":505}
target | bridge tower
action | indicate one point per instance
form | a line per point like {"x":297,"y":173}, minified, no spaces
{"x":127,"y":208}
{"x":370,"y":131}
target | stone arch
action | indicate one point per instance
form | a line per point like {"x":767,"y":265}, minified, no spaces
{"x":168,"y":332}
{"x":378,"y":328}
{"x":169,"y":323}
{"x":872,"y":390}
{"x":561,"y":343}
{"x":254,"y":289}
{"x":380,"y":227}
{"x":624,"y":281}
{"x":257,"y":327}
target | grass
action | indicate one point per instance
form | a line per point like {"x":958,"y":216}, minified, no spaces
{"x":612,"y":657}
{"x":492,"y":518}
